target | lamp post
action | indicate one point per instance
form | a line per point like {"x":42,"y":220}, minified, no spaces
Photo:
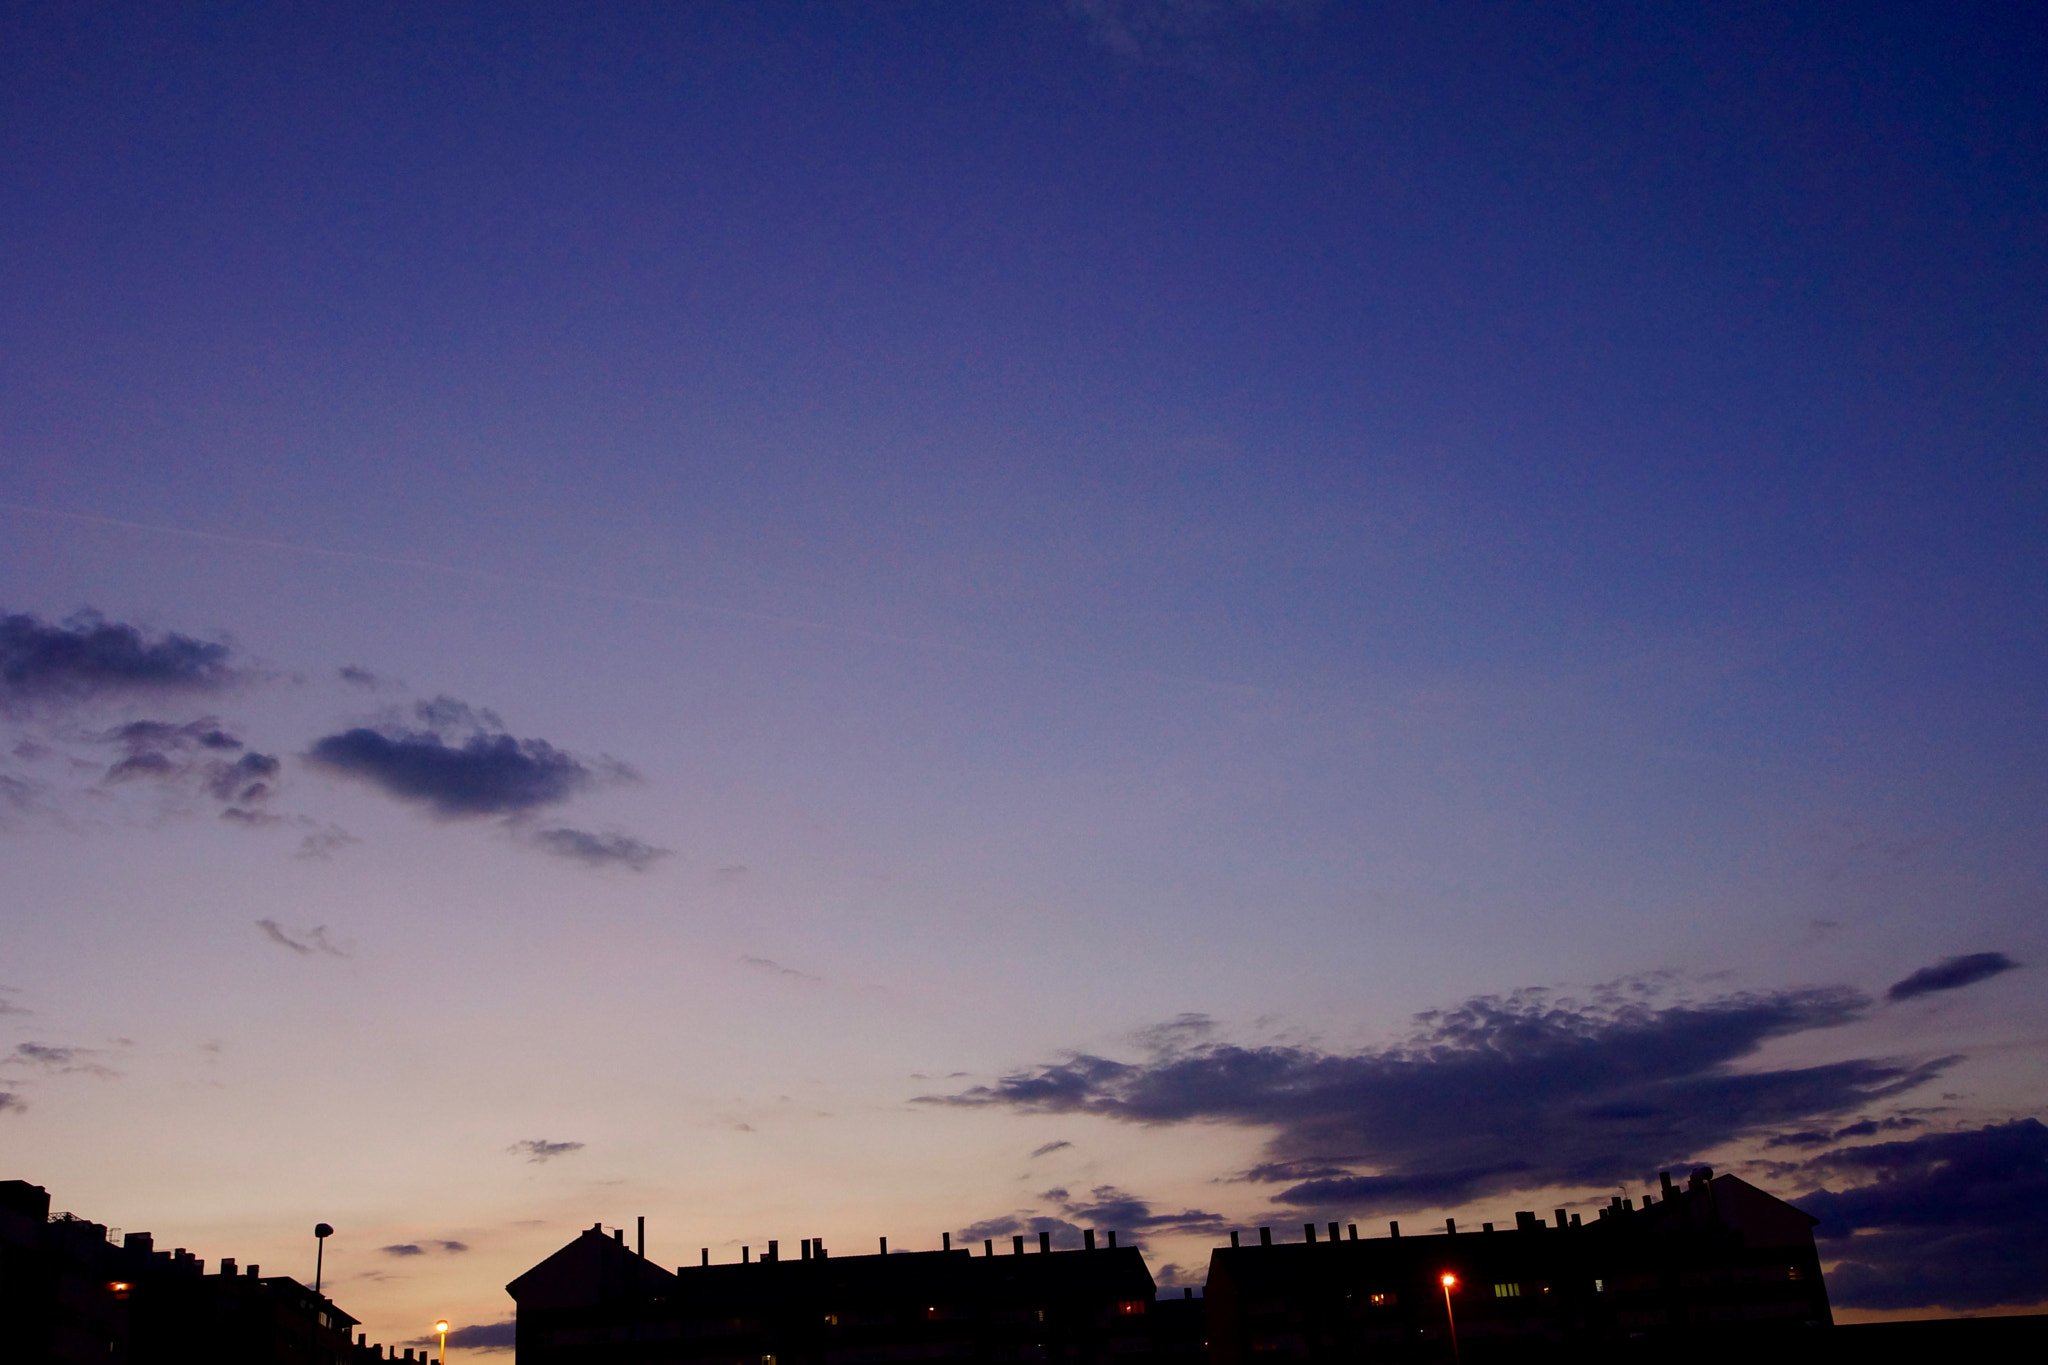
{"x":321,"y":1232}
{"x":442,"y":1328}
{"x":1448,"y":1281}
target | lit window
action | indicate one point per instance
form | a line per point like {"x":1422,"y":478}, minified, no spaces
{"x":1131,"y":1308}
{"x":1507,"y":1291}
{"x":1599,"y":1286}
{"x":1382,"y":1300}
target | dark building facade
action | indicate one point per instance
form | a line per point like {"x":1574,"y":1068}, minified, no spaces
{"x":1715,"y":1265}
{"x":599,"y":1302}
{"x":68,"y":1296}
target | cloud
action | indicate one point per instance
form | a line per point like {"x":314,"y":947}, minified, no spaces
{"x":357,"y":676}
{"x":1950,"y":974}
{"x":195,"y":754}
{"x":597,"y":850}
{"x":10,"y":1100}
{"x":728,"y":876}
{"x":58,"y":1060}
{"x":315,"y":940}
{"x":453,"y":1248}
{"x":1861,"y":1128}
{"x":8,"y":1006}
{"x":1501,"y":1093}
{"x":1106,"y":1207}
{"x":1048,"y":1148}
{"x":88,"y":657}
{"x":770,"y":965}
{"x":323,"y":844}
{"x":1953,"y":1220}
{"x":404,"y":1249}
{"x":481,"y":1336}
{"x":540,"y":1149}
{"x":487,"y":773}
{"x":1177,"y":32}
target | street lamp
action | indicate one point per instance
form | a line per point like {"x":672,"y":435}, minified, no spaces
{"x":1448,"y":1281}
{"x":321,"y":1232}
{"x":442,"y":1328}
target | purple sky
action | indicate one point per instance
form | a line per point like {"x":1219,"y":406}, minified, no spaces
{"x":872,"y":619}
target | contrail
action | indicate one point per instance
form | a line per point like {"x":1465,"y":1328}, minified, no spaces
{"x":609,"y":594}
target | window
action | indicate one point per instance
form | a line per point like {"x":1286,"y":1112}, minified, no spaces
{"x":1383,"y":1300}
{"x":1599,"y":1286}
{"x":1507,"y":1291}
{"x":1131,"y":1308}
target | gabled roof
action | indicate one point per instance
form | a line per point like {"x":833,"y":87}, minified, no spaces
{"x":592,"y":1269}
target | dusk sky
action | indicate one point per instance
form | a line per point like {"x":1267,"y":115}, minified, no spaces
{"x":873,"y":619}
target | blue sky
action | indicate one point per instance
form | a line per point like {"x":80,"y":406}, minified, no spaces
{"x":893,"y":556}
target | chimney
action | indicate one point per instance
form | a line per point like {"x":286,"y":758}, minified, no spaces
{"x":1393,"y":1229}
{"x":640,"y":1236}
{"x":1664,"y":1179}
{"x":619,"y":1236}
{"x":1451,"y":1226}
{"x":1112,"y":1240}
{"x":1187,"y":1292}
{"x":817,"y":1248}
{"x":1333,"y":1232}
{"x":746,"y":1255}
{"x":885,"y":1246}
{"x":1486,"y":1227}
{"x":1560,"y":1217}
{"x":138,"y":1241}
{"x":1308,"y":1231}
{"x":774,"y":1250}
{"x":1016,"y":1246}
{"x":252,"y":1272}
{"x":704,"y":1255}
{"x":1575,"y":1220}
{"x":1354,"y":1232}
{"x":945,"y":1241}
{"x":1044,"y":1241}
{"x":804,"y":1249}
{"x":988,"y":1246}
{"x":227,"y":1266}
{"x":1233,"y":1236}
{"x":1088,"y":1239}
{"x":1265,"y":1237}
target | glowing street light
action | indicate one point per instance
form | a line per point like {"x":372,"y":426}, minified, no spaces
{"x":442,"y":1328}
{"x":1449,"y":1282}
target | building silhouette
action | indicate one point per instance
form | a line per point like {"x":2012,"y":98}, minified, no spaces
{"x":1718,"y":1264}
{"x":599,"y":1302}
{"x":69,"y":1296}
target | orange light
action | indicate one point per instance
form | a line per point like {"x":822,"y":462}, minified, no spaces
{"x":440,"y":1327}
{"x":119,"y":1286}
{"x":1448,"y":1279}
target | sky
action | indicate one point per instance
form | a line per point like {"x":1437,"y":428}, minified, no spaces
{"x":872,"y":619}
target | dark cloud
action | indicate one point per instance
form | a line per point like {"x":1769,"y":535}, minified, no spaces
{"x":540,"y":1149}
{"x":453,"y":1248}
{"x":1950,"y":1220}
{"x":598,"y":850}
{"x":1501,"y":1093}
{"x":315,"y":940}
{"x":484,"y":772}
{"x":482,"y":1336}
{"x":1050,"y":1147}
{"x":195,"y":752}
{"x":1105,"y":1208}
{"x":1861,"y":1128}
{"x":404,"y":1249}
{"x":357,"y":676}
{"x":1950,"y":974}
{"x":10,"y":1100}
{"x":87,"y":657}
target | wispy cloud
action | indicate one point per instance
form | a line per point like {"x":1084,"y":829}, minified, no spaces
{"x":598,"y":850}
{"x":774,"y":968}
{"x":481,"y":1336}
{"x":1500,"y":1093}
{"x":315,"y":940}
{"x":1950,"y":974}
{"x":1049,"y":1148}
{"x":540,"y":1149}
{"x":59,"y":1060}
